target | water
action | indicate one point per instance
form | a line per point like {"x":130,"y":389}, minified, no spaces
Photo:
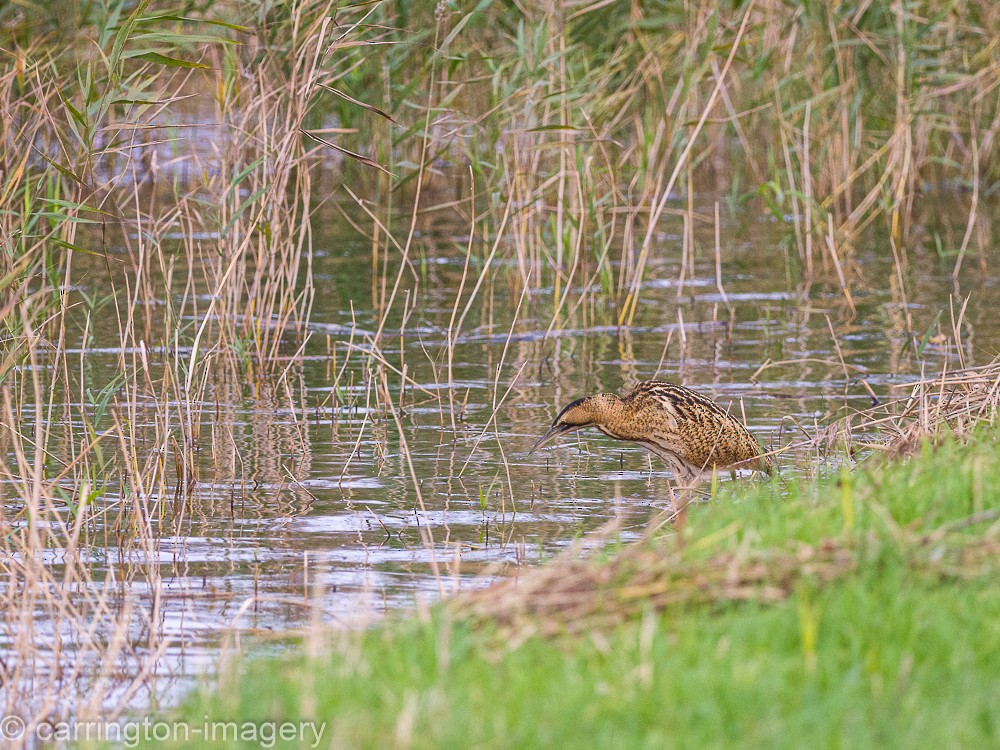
{"x":302,"y":501}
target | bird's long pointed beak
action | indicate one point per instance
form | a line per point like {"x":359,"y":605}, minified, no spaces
{"x":554,"y":431}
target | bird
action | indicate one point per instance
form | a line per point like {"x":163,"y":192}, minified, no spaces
{"x":692,"y":433}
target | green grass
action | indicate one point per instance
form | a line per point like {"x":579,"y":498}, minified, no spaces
{"x":901,"y":650}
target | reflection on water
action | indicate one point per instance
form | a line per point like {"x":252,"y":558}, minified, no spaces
{"x":303,"y":496}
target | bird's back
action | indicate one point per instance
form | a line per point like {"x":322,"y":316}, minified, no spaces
{"x":686,"y":427}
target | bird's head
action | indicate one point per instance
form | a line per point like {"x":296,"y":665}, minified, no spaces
{"x":591,"y":411}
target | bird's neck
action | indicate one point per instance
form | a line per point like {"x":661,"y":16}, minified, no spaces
{"x":614,"y":418}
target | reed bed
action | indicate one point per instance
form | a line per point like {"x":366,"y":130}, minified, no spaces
{"x":836,"y":120}
{"x":202,"y":255}
{"x":576,"y":128}
{"x":952,"y":405}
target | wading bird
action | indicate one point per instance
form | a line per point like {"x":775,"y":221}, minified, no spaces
{"x":691,"y":433}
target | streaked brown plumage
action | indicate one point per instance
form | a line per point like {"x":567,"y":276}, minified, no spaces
{"x":690,"y":432}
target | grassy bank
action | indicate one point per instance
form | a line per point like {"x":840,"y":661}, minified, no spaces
{"x":885,"y":633}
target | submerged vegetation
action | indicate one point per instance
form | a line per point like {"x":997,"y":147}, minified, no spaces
{"x":506,"y":176}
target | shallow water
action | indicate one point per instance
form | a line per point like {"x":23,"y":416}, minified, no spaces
{"x":300,"y":500}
